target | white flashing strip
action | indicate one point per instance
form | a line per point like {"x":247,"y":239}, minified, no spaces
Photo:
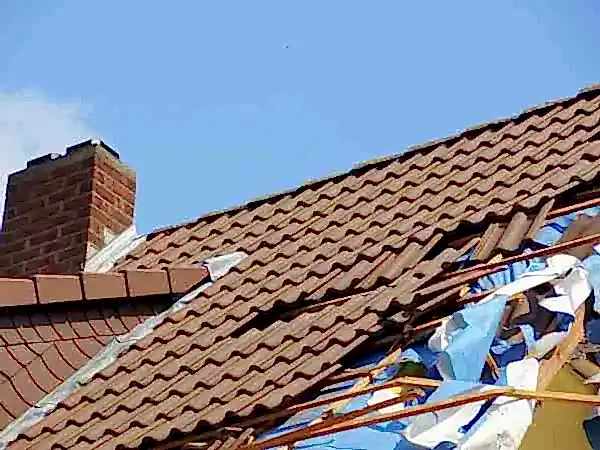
{"x":120,"y":246}
{"x":217,"y":267}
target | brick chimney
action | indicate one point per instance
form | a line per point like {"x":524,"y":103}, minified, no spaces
{"x":62,"y":209}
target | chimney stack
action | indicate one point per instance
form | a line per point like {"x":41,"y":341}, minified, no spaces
{"x":62,"y":209}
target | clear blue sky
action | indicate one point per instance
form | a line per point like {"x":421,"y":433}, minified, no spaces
{"x":217,"y":102}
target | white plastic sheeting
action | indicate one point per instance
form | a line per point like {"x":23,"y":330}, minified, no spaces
{"x":456,"y":353}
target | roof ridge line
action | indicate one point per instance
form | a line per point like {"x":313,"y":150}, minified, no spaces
{"x":428,"y":145}
{"x":42,"y":289}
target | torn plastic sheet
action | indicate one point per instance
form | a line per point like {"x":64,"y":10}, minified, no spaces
{"x":548,"y":235}
{"x":444,"y":429}
{"x":500,"y":423}
{"x":463,"y":341}
{"x":507,"y":419}
{"x":458,"y":350}
{"x":217,"y":267}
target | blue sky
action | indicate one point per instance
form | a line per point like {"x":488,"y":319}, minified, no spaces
{"x":215,"y":103}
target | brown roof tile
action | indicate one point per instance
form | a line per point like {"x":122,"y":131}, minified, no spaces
{"x":507,"y":237}
{"x":38,"y":354}
{"x":367,"y":235}
{"x":53,"y":324}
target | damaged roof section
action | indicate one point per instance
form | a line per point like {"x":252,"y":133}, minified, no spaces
{"x":369,"y":240}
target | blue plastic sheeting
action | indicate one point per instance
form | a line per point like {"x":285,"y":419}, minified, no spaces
{"x":552,"y":232}
{"x":470,"y":333}
{"x":387,"y":435}
{"x":592,"y":430}
{"x":464,"y":350}
{"x":303,"y":419}
{"x":547,"y":236}
{"x":456,"y":355}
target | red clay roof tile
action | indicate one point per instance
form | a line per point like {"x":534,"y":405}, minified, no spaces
{"x":52,"y":325}
{"x":146,"y":282}
{"x":369,"y":236}
{"x":21,"y":292}
{"x":58,"y":288}
{"x":92,"y":286}
{"x":103,"y":285}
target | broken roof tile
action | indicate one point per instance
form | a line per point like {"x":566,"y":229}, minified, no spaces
{"x":373,"y":228}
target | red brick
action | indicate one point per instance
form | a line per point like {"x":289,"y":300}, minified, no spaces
{"x":76,"y":226}
{"x":10,"y":213}
{"x":49,"y":188}
{"x":128,"y":209}
{"x":182,"y":279}
{"x":51,"y":207}
{"x":107,"y":220}
{"x":29,"y":254}
{"x":78,"y":177}
{"x":64,"y":194}
{"x":120,"y":189}
{"x":58,"y":288}
{"x":44,"y":237}
{"x":40,"y":265}
{"x":104,"y":285}
{"x":105,"y":194}
{"x":98,"y":175}
{"x":17,"y":292}
{"x":43,"y":213}
{"x":99,"y":202}
{"x":16,"y":222}
{"x":147,"y":282}
{"x":74,"y":252}
{"x":5,"y":261}
{"x":112,"y":171}
{"x":65,"y":242}
{"x":96,"y":239}
{"x":84,"y":187}
{"x":14,"y":247}
{"x":80,"y":202}
{"x":66,"y":170}
{"x":31,"y":205}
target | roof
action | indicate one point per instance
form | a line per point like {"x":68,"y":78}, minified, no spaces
{"x":367,"y":244}
{"x":51,"y":325}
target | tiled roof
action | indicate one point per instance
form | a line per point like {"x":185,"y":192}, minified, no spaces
{"x":51,"y":325}
{"x":372,"y":236}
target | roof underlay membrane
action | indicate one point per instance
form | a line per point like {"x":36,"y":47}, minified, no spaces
{"x":499,"y":341}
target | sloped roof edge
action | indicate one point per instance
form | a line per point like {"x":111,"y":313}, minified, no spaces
{"x":215,"y":267}
{"x":365,"y":165}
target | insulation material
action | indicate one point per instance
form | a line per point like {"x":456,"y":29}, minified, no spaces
{"x":217,"y":267}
